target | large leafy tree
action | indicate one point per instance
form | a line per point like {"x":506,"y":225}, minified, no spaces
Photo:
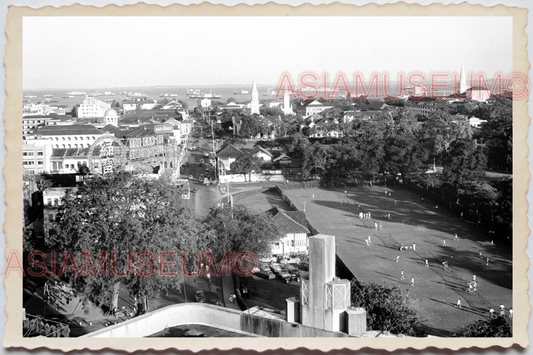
{"x":252,"y":126}
{"x":477,"y":195}
{"x":387,"y":309}
{"x":295,"y":145}
{"x":442,"y":129}
{"x":238,"y":229}
{"x":498,"y":136}
{"x":491,"y":328}
{"x":128,"y":222}
{"x":463,"y":162}
{"x":246,"y":164}
{"x":316,"y":157}
{"x":503,"y":214}
{"x":404,"y":155}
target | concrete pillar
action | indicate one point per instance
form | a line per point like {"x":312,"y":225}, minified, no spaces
{"x":356,"y":321}
{"x":321,"y":271}
{"x":293,"y":310}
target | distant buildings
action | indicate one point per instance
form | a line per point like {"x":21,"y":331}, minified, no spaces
{"x":315,"y":107}
{"x":92,"y":108}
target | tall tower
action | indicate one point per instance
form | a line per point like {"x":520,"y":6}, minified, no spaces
{"x":287,"y":108}
{"x":462,"y":81}
{"x":254,"y":105}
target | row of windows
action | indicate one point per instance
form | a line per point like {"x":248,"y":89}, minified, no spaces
{"x":81,"y":145}
{"x":30,"y":154}
{"x":58,"y":165}
{"x":31,"y":162}
{"x":75,"y":138}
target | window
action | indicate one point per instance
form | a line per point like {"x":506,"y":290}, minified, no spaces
{"x":49,"y":201}
{"x":51,"y":217}
{"x":40,"y":153}
{"x":56,"y":202}
{"x":39,"y":162}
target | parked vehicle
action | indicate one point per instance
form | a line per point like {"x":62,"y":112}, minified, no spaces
{"x":207,"y":297}
{"x":266,"y":274}
{"x":206,"y":154}
{"x":293,"y":271}
{"x":284,"y":276}
{"x":275,"y":268}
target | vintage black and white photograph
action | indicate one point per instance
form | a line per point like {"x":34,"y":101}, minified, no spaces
{"x":268,"y":176}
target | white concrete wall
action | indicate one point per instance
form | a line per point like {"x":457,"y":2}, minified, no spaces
{"x":171,"y":316}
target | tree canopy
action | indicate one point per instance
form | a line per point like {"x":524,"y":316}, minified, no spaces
{"x":487,"y":328}
{"x":131,"y":221}
{"x":387,"y":309}
{"x":463,"y":162}
{"x":237,"y":229}
{"x":246,"y":164}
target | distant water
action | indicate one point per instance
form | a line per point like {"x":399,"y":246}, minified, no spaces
{"x":156,"y":93}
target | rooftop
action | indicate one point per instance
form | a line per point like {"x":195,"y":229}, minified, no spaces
{"x":69,"y":130}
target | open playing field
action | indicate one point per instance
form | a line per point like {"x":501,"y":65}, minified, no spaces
{"x":336,"y":212}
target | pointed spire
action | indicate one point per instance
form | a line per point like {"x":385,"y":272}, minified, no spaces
{"x":254,"y":105}
{"x":254,"y":87}
{"x":462,"y":80}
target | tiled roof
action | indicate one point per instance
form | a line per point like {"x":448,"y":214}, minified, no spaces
{"x":58,"y":152}
{"x":298,"y":216}
{"x":281,"y":157}
{"x":69,"y":130}
{"x":286,"y":223}
{"x":111,"y":129}
{"x":32,"y":117}
{"x":255,"y":150}
{"x":143,"y":131}
{"x":230,"y":152}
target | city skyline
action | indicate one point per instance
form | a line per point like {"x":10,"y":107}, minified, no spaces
{"x":92,"y":52}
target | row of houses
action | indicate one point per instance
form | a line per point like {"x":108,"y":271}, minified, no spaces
{"x":62,"y":149}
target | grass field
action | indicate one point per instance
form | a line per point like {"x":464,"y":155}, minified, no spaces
{"x":336,"y":212}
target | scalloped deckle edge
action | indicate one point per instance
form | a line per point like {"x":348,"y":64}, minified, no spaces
{"x":13,"y":171}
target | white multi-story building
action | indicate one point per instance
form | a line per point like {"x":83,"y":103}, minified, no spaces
{"x":315,"y":107}
{"x":71,"y":136}
{"x":36,"y":156}
{"x":92,"y":108}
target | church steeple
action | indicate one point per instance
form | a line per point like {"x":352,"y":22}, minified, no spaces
{"x":254,"y":105}
{"x":462,"y":81}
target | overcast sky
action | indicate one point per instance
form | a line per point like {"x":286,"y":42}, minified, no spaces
{"x":100,"y":52}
